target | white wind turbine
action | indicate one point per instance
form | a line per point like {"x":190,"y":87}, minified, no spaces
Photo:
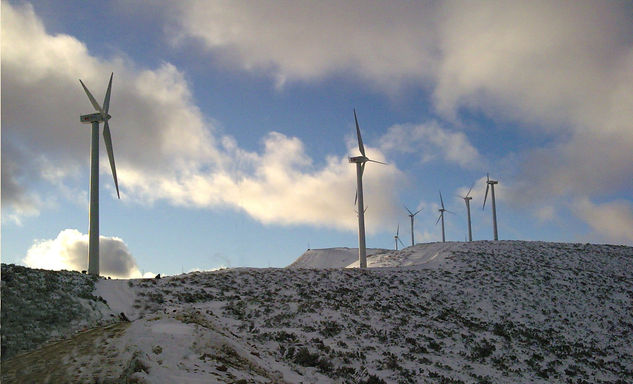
{"x":412,"y":215}
{"x":467,"y":199}
{"x":491,"y":184}
{"x":360,"y":167}
{"x":441,"y":217}
{"x":396,"y":238}
{"x":94,"y":119}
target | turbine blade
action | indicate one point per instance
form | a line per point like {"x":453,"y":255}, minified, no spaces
{"x":438,"y":219}
{"x":361,"y":147}
{"x":485,"y":196}
{"x":375,"y":161}
{"x":487,"y":177}
{"x":471,"y":188}
{"x":92,"y":99}
{"x":417,"y":212}
{"x":405,"y":207}
{"x":401,"y":242}
{"x":398,"y":230}
{"x":362,"y":169}
{"x":108,"y":143}
{"x":441,"y":200}
{"x":356,"y":197}
{"x":106,"y":101}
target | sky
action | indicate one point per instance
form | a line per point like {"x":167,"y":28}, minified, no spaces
{"x":232,"y":124}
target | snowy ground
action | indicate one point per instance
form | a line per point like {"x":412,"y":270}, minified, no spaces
{"x":330,"y":257}
{"x":488,"y":312}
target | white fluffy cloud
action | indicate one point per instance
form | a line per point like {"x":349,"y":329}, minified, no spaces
{"x":382,"y":43}
{"x":69,"y":250}
{"x":560,"y":70}
{"x":184,"y":159}
{"x":612,"y":221}
{"x":431,"y":141}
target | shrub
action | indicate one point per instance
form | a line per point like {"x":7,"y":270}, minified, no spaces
{"x":304,"y":358}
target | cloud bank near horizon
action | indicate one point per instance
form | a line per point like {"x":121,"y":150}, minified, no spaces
{"x":69,"y":251}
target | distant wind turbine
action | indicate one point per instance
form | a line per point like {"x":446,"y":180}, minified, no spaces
{"x":396,"y":239}
{"x":441,"y":217}
{"x":94,"y":119}
{"x":467,"y":199}
{"x":412,"y":215}
{"x":360,"y":167}
{"x":491,"y":184}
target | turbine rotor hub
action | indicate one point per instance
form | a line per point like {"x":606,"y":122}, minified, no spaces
{"x":358,"y":159}
{"x":93,"y":118}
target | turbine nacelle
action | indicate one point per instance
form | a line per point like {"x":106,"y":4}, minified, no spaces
{"x":358,"y":159}
{"x":411,"y":214}
{"x":93,"y":118}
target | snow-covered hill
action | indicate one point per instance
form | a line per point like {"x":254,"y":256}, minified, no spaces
{"x":429,"y":255}
{"x":330,"y":257}
{"x":487,"y":312}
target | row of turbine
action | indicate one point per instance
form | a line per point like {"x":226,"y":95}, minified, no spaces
{"x":489,"y":186}
{"x":360,"y":162}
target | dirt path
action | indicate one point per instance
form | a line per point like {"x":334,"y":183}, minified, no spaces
{"x":50,"y":364}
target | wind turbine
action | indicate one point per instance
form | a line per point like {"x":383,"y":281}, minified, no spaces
{"x":442,"y":210}
{"x":411,"y":215}
{"x":360,"y":167}
{"x":491,"y":184}
{"x":467,"y":200}
{"x":396,"y":239}
{"x":94,"y":119}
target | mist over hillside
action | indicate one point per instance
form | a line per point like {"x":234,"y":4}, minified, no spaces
{"x":489,"y":312}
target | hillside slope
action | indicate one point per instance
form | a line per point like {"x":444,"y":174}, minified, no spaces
{"x":39,"y":306}
{"x":489,"y":312}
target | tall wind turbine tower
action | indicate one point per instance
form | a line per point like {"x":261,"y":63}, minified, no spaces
{"x":441,"y":217}
{"x":360,"y":167}
{"x":94,"y":119}
{"x":412,"y":215}
{"x":396,"y":238}
{"x":490,"y":184}
{"x":467,"y":200}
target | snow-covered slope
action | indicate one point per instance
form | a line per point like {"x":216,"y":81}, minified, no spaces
{"x":40,"y":305}
{"x":488,"y":312}
{"x":330,"y":257}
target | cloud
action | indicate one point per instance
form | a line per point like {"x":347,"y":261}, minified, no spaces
{"x":184,"y":159}
{"x":610,"y":221}
{"x":559,"y":70}
{"x":23,"y":203}
{"x":293,"y":41}
{"x":69,"y":250}
{"x":281,"y":186}
{"x":432,"y":141}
